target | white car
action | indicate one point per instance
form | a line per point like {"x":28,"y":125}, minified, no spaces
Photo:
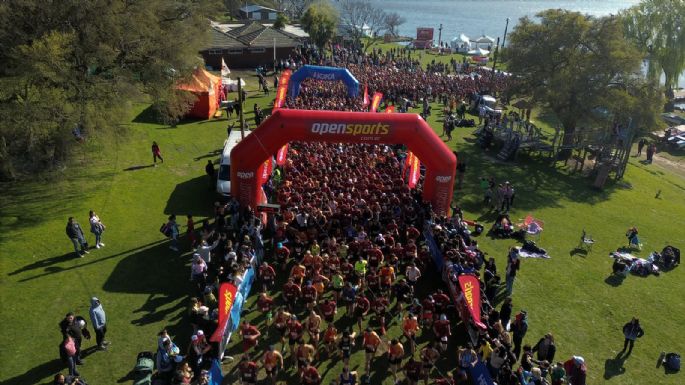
{"x":488,"y":104}
{"x":223,"y":180}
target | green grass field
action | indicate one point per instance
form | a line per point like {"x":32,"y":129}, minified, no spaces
{"x":143,"y":286}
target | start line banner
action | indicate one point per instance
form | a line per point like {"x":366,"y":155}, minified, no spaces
{"x":282,"y":90}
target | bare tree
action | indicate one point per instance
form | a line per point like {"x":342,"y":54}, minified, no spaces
{"x":392,"y":21}
{"x":362,"y":20}
{"x":295,"y":8}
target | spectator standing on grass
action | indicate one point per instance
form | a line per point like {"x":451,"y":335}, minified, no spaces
{"x":546,"y":348}
{"x":156,"y":153}
{"x":97,"y":228}
{"x":461,"y":170}
{"x":75,"y":234}
{"x":74,"y":327}
{"x":640,"y":145}
{"x":519,"y":328}
{"x":211,"y":174}
{"x":513,"y":266}
{"x":632,"y":331}
{"x":651,"y":150}
{"x":576,"y":371}
{"x":99,"y":321}
{"x":67,"y":353}
{"x":172,"y":231}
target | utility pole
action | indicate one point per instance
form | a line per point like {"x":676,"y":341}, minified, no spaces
{"x":504,"y":39}
{"x":494,"y":65}
{"x":240,"y":100}
{"x":440,"y":36}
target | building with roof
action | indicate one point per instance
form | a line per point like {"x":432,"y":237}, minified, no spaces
{"x":248,"y":46}
{"x":257,"y":12}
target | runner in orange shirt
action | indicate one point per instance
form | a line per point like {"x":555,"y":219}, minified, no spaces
{"x":410,"y":326}
{"x":395,"y":355}
{"x":371,"y":343}
{"x":272,"y":362}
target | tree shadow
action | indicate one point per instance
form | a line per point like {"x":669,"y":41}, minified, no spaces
{"x":615,"y":280}
{"x":49,"y":268}
{"x":210,"y":154}
{"x":191,"y":198}
{"x":37,"y":374}
{"x":614,"y":366}
{"x":578,"y":251}
{"x":134,"y":168}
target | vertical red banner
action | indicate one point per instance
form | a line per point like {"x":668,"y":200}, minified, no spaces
{"x":376,"y":101}
{"x":390,"y":110}
{"x":226,"y":297}
{"x":264,"y":171}
{"x":471,"y":289}
{"x":281,"y":155}
{"x":366,"y":95}
{"x":414,"y":172}
{"x":282,"y":90}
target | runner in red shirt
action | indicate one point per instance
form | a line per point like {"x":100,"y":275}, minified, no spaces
{"x":310,"y":376}
{"x":250,"y":335}
{"x":267,"y":275}
{"x":309,"y":295}
{"x":441,"y":302}
{"x":330,"y":337}
{"x":265,"y":305}
{"x":412,"y":371}
{"x":328,"y":309}
{"x":282,"y":254}
{"x":375,"y":257}
{"x":295,"y":332}
{"x":428,"y":307}
{"x":291,"y":293}
{"x":281,"y":324}
{"x":442,"y":331}
{"x":361,"y":308}
{"x":380,"y":307}
{"x":248,"y":371}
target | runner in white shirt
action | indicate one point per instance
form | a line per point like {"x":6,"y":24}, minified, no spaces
{"x":412,"y":273}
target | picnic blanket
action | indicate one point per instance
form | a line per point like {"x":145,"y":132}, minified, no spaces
{"x":529,"y":254}
{"x":639,"y":266}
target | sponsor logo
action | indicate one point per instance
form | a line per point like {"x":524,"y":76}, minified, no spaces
{"x":245,"y":175}
{"x":468,"y":294}
{"x":322,"y":76}
{"x":443,"y":178}
{"x":350,"y":129}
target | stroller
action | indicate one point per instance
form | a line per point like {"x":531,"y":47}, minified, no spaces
{"x":142,"y":372}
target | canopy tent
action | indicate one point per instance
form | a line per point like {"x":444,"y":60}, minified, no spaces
{"x":461,"y":43}
{"x":323,"y":73}
{"x":207,"y":88}
{"x":483,"y":39}
{"x":478,"y":52}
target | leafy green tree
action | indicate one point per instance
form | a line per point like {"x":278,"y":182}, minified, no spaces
{"x":656,"y":27}
{"x":575,"y":65}
{"x":281,"y":21}
{"x":320,"y":21}
{"x":71,"y":68}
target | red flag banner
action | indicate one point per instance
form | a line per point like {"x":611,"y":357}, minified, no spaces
{"x":414,"y":172}
{"x":470,"y":287}
{"x":390,"y":110}
{"x":407,"y":164}
{"x":226,"y":297}
{"x":282,"y":90}
{"x":264,"y":171}
{"x":281,"y":155}
{"x":366,"y":95}
{"x":376,"y":101}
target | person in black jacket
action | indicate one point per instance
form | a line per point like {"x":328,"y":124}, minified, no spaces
{"x":211,"y":173}
{"x":632,"y":331}
{"x":75,"y":327}
{"x":75,"y":234}
{"x":546,"y":348}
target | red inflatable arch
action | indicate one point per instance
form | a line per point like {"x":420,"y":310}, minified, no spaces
{"x":344,"y":127}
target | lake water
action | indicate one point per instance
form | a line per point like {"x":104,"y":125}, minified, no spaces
{"x":477,"y":17}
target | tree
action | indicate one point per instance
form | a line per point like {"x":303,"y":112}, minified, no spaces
{"x":295,"y":8}
{"x":656,"y":28}
{"x":362,"y":20}
{"x":71,"y":70}
{"x":281,"y":21}
{"x":576,"y":65}
{"x":320,"y":22}
{"x":392,"y":21}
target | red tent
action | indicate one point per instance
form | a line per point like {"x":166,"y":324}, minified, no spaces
{"x":207,"y":89}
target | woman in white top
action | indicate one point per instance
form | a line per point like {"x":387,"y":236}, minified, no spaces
{"x":97,"y":228}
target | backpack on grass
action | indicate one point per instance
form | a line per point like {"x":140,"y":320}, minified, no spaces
{"x":672,"y":362}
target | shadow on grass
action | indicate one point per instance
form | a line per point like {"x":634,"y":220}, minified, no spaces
{"x":191,"y":197}
{"x":163,"y":275}
{"x":134,"y":168}
{"x":38,"y":373}
{"x":537,"y":183}
{"x":23,"y":204}
{"x":614,"y":366}
{"x":578,"y":251}
{"x":615,"y":280}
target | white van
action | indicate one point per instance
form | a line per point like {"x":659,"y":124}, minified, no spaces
{"x":223,"y":180}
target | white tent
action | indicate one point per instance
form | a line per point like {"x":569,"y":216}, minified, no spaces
{"x":484,"y":39}
{"x":479,"y":52}
{"x":461,"y":43}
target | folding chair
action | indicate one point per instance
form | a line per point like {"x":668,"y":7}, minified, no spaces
{"x":586,"y":241}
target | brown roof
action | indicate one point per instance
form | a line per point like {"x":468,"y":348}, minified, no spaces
{"x":253,"y":35}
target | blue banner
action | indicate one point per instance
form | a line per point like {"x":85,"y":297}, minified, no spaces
{"x":326,"y":74}
{"x":215,"y":375}
{"x":433,"y":247}
{"x":480,"y":375}
{"x":240,"y":297}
